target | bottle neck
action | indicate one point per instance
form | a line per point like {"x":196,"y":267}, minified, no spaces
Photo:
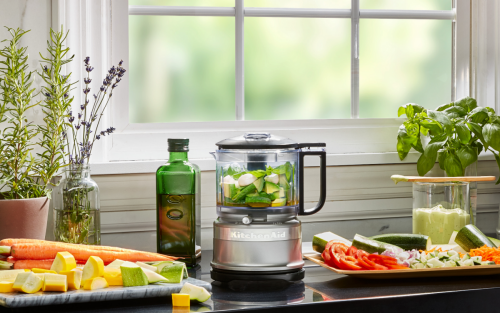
{"x":178,"y":156}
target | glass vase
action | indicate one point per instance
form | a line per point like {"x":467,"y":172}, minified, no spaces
{"x":440,"y":208}
{"x":77,"y":216}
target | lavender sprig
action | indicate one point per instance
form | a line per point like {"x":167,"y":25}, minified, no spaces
{"x":88,"y":122}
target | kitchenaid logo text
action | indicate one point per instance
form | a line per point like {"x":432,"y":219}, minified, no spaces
{"x":272,"y":235}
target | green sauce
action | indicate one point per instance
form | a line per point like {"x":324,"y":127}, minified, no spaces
{"x":398,"y":178}
{"x":438,"y":222}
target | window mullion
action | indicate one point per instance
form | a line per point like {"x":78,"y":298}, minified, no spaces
{"x":240,"y":60}
{"x":354,"y":58}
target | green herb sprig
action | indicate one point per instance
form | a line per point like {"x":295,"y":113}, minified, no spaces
{"x":459,"y":131}
{"x":22,"y":175}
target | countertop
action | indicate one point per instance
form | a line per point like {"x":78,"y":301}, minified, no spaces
{"x":321,"y":291}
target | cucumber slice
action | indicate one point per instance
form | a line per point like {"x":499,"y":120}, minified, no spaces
{"x":271,"y":187}
{"x":470,"y":237}
{"x":320,"y":240}
{"x":196,"y":293}
{"x":244,"y":192}
{"x":259,"y":184}
{"x":133,"y":275}
{"x":372,"y":246}
{"x":258,"y":201}
{"x":495,"y":241}
{"x":452,"y":238}
{"x":406,"y":241}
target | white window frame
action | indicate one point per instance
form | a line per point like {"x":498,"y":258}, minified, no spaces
{"x":100,"y":29}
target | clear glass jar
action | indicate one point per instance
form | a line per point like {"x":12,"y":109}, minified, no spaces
{"x":77,"y":217}
{"x":440,"y":208}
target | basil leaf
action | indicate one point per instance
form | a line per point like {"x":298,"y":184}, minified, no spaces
{"x":478,"y":131}
{"x":443,"y":107}
{"x":401,"y":111}
{"x":467,"y":103}
{"x":282,"y":169}
{"x":443,"y":119}
{"x":441,"y":156}
{"x":410,"y":113}
{"x":257,"y":173}
{"x":492,"y":111}
{"x":424,"y":130}
{"x":418,"y":146}
{"x":427,"y":160}
{"x":432,"y":125}
{"x":408,"y":133}
{"x":477,"y":145}
{"x":491,"y":133}
{"x":403,"y":149}
{"x":452,"y":165}
{"x":467,"y":155}
{"x":497,"y":158}
{"x":454,"y":112}
{"x":478,"y":115}
{"x":463,"y":133}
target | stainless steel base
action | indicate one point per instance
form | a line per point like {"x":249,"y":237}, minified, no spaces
{"x":258,"y":247}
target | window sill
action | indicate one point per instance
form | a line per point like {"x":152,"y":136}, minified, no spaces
{"x":348,"y":159}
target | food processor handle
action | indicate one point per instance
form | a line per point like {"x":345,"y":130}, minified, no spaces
{"x":322,"y":169}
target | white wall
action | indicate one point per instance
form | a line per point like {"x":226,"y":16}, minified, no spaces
{"x":34,"y":15}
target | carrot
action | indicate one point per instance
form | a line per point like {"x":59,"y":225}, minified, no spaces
{"x":43,"y":264}
{"x":487,"y":254}
{"x":11,"y":242}
{"x":48,"y":250}
{"x":66,"y":246}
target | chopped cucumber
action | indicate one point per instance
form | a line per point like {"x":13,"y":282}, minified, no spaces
{"x":406,"y":241}
{"x":372,"y":246}
{"x":470,"y":237}
{"x":320,"y":240}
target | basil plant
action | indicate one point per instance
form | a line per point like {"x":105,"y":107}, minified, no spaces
{"x":458,"y":131}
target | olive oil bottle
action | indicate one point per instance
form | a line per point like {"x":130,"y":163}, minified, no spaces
{"x":178,"y":205}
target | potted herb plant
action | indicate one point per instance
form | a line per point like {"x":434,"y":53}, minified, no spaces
{"x":25,"y":176}
{"x":458,"y":133}
{"x":76,"y":200}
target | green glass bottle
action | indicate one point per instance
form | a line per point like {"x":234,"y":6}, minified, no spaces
{"x":178,"y":205}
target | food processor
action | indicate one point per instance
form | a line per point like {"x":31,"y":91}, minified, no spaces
{"x":260,"y":192}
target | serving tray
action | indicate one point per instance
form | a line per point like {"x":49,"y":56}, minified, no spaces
{"x":411,"y":273}
{"x":18,"y":300}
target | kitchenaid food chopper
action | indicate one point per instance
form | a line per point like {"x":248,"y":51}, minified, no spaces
{"x":260,"y":192}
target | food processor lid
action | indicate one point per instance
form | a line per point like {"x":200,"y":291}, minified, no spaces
{"x":259,"y":140}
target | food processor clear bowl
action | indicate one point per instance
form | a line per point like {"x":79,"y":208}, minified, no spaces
{"x":264,"y":181}
{"x":259,"y":176}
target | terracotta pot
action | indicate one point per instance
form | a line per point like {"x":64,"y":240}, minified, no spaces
{"x":24,"y":218}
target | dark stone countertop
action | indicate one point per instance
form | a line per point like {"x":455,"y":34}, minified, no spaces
{"x":322,"y":291}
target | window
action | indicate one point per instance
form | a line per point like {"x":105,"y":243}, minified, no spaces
{"x":327,"y":70}
{"x":295,"y":67}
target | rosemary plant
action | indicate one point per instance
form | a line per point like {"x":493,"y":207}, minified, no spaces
{"x":23,"y":175}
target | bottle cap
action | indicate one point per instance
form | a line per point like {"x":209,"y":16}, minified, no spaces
{"x":178,"y":144}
